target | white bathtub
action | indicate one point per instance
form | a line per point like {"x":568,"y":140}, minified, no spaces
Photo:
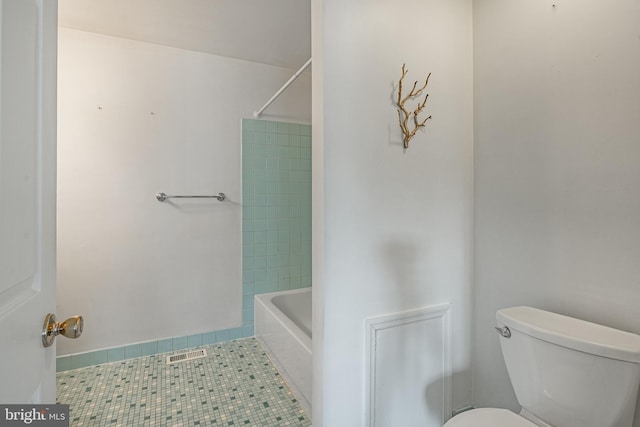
{"x":283,"y":327}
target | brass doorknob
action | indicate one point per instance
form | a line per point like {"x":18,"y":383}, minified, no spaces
{"x":70,"y":328}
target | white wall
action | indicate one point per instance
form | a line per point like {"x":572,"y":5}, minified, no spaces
{"x":557,"y":168}
{"x":396,"y":230}
{"x":136,"y":119}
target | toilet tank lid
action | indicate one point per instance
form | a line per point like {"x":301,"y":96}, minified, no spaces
{"x":572,"y":333}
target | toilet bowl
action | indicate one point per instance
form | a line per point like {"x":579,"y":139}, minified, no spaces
{"x":488,"y":417}
{"x":565,"y":372}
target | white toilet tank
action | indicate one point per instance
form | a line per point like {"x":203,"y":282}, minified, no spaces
{"x":568,"y":372}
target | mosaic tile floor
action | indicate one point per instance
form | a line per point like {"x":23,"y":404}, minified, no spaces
{"x":235,"y":385}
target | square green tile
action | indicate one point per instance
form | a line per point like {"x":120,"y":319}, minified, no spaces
{"x":115,"y":354}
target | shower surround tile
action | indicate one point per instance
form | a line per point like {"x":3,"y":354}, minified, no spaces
{"x":276,"y":209}
{"x":235,"y":385}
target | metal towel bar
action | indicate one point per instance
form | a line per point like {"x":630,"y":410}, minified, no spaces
{"x":161,"y":197}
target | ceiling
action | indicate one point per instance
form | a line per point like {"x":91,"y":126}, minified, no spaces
{"x":274,"y":32}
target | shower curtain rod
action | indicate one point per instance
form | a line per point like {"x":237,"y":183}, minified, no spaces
{"x":257,"y":114}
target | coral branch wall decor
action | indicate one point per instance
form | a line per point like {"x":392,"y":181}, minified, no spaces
{"x":409,"y":122}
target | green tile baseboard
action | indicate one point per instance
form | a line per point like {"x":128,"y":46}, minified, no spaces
{"x":149,"y":348}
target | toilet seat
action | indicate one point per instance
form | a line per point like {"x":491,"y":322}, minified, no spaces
{"x":488,"y":417}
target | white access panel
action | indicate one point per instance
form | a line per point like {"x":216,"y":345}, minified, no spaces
{"x":409,"y":368}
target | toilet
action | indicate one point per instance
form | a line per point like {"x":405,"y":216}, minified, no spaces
{"x":565,"y":373}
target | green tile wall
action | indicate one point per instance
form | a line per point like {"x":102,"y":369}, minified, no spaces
{"x":276,"y":218}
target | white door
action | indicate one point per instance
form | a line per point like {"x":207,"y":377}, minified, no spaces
{"x":28,"y":39}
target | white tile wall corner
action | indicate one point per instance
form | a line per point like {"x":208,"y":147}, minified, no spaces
{"x":408,"y":365}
